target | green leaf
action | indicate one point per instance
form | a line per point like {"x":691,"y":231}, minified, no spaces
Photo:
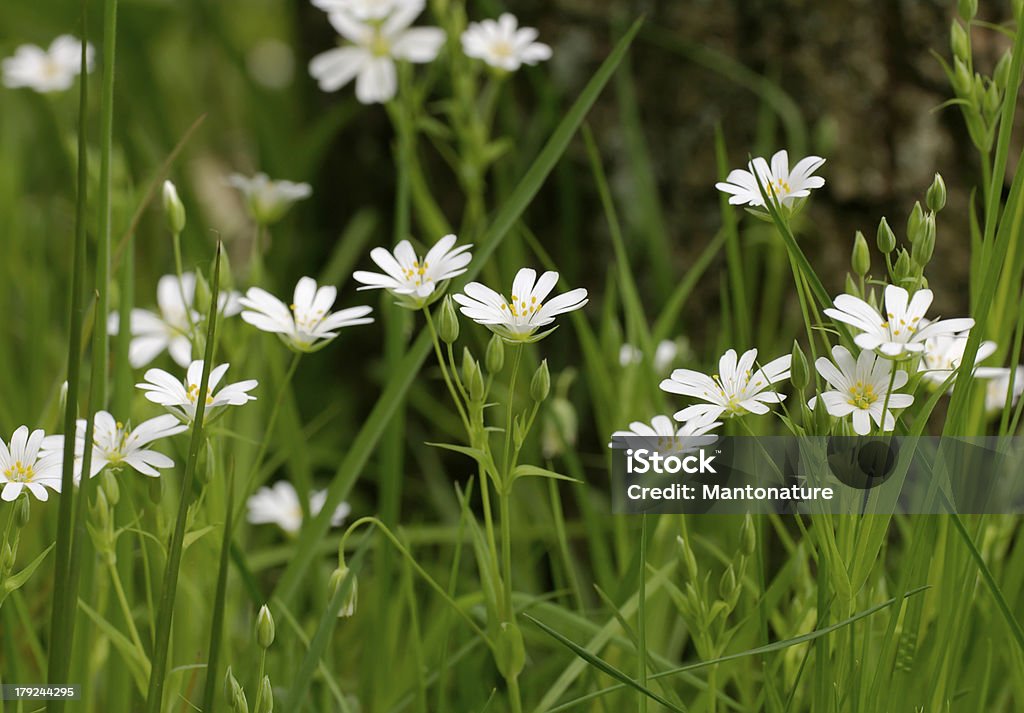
{"x":18,"y":580}
{"x":480,"y":456}
{"x":138,"y":663}
{"x":525,"y":471}
{"x":402,"y":377}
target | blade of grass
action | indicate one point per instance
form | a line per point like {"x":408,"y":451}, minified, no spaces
{"x":217,"y":619}
{"x":405,"y":373}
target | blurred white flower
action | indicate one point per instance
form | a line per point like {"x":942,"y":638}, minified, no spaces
{"x":52,"y":70}
{"x":630,"y":355}
{"x":307,"y":324}
{"x":267,"y":200}
{"x":734,"y":391}
{"x":115,"y":444}
{"x":665,"y":355}
{"x":170,"y":330}
{"x":901,"y":332}
{"x":943,"y":354}
{"x":670,"y":436}
{"x":862,"y":389}
{"x":503,"y":44}
{"x":412,"y":279}
{"x":24,"y":465}
{"x":776,"y":179}
{"x":517,"y":320}
{"x":279,"y":505}
{"x":180,"y":397}
{"x":997,"y":388}
{"x":373,"y":47}
{"x":361,"y":9}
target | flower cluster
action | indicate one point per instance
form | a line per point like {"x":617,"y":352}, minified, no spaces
{"x":378,"y":33}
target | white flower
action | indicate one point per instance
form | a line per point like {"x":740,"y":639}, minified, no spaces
{"x":279,"y":505}
{"x":664,"y":355}
{"x":942,"y":355}
{"x":308,"y":323}
{"x":901,"y":332}
{"x":630,"y":355}
{"x":45,"y":71}
{"x":115,"y":444}
{"x":25,"y":465}
{"x":180,"y":397}
{"x":670,"y":437}
{"x":267,"y":200}
{"x":503,"y":44}
{"x":734,"y":391}
{"x":997,"y":390}
{"x":360,"y":9}
{"x":374,"y":47}
{"x":518,"y":319}
{"x":862,"y":387}
{"x":171,"y":329}
{"x":776,"y":179}
{"x":413,"y":279}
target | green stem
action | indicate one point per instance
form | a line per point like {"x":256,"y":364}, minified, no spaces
{"x":126,"y":610}
{"x":516,"y":359}
{"x":444,"y":371}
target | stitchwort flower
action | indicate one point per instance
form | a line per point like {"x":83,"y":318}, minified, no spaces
{"x":116,"y":444}
{"x":267,"y":200}
{"x":24,"y":465}
{"x":503,"y":44}
{"x":943,"y":354}
{"x":279,"y":505}
{"x":307,"y":324}
{"x":862,"y":389}
{"x":171,"y":329}
{"x":518,"y":319}
{"x":735,"y":390}
{"x":997,"y":386}
{"x":373,"y":47}
{"x":49,"y":70}
{"x":416,"y":281}
{"x":668,"y":436}
{"x":903,"y":331}
{"x":744,"y":186}
{"x":179,"y":397}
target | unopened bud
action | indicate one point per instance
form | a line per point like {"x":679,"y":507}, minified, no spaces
{"x":885,"y":238}
{"x":6,"y":559}
{"x":338,"y":578}
{"x":448,"y":322}
{"x":861,"y":259}
{"x":22,"y":511}
{"x":800,"y":373}
{"x":203,"y":294}
{"x":962,"y":82}
{"x":173,"y":208}
{"x":822,"y":420}
{"x":748,"y":536}
{"x":1001,"y":75}
{"x":689,"y":559}
{"x":727,"y":584}
{"x":993,"y":100}
{"x":968,"y":9}
{"x":265,"y":700}
{"x":509,"y":650}
{"x":915,"y":223}
{"x":108,"y":483}
{"x":540,"y":385}
{"x":851,"y":287}
{"x":959,"y":42}
{"x":903,"y":268}
{"x":475,"y":383}
{"x":494,"y":359}
{"x":925,"y":246}
{"x":265,"y":627}
{"x":935,"y":199}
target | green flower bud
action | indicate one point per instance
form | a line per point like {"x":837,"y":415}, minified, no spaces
{"x":861,"y":259}
{"x":915,"y":222}
{"x":902,"y":269}
{"x":265,"y":699}
{"x":822,"y":421}
{"x":238,"y":702}
{"x":475,"y":383}
{"x":968,"y":9}
{"x":6,"y":559}
{"x":959,"y":42}
{"x":338,"y":577}
{"x":925,"y":247}
{"x":230,"y":685}
{"x":494,"y":359}
{"x":727,"y":584}
{"x":203,"y":294}
{"x":173,"y":208}
{"x":748,"y":536}
{"x":1001,"y":75}
{"x":448,"y":322}
{"x":993,"y":98}
{"x":800,"y":372}
{"x":22,"y":511}
{"x":935,"y":199}
{"x":885,"y":238}
{"x":962,"y":82}
{"x":108,"y":483}
{"x":540,"y":385}
{"x":509,"y":650}
{"x":851,"y":287}
{"x":100,"y":511}
{"x":689,"y":559}
{"x":265,"y":627}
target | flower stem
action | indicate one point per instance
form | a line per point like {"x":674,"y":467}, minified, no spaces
{"x":507,"y":459}
{"x":444,"y":371}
